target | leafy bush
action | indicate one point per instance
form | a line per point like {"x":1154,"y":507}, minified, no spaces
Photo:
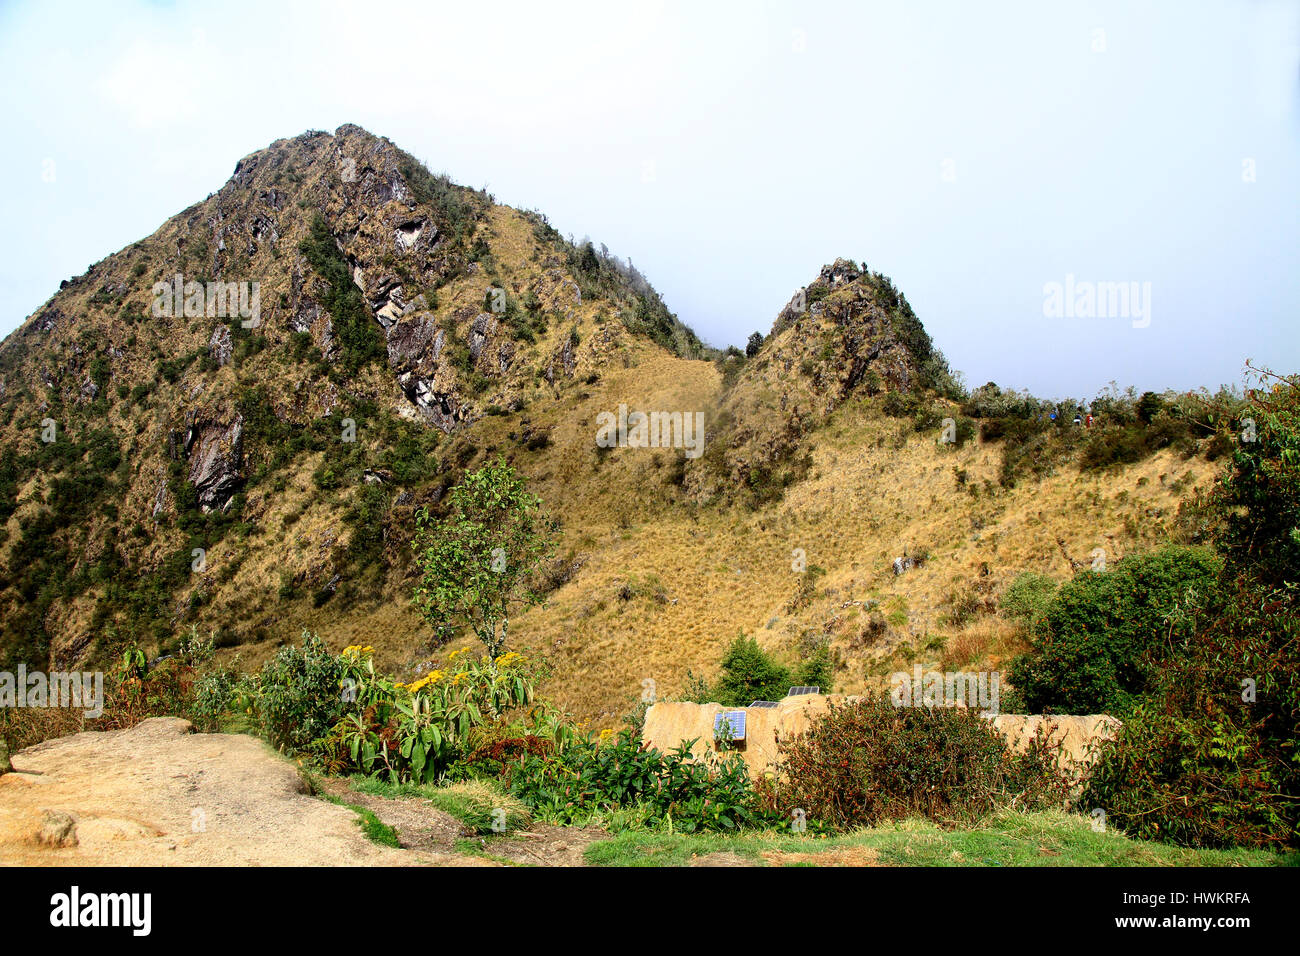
{"x":749,"y":673}
{"x":1125,"y":428}
{"x":1196,"y":763}
{"x":213,"y":697}
{"x":490,"y":758}
{"x":869,"y":761}
{"x":1209,"y":757}
{"x":587,"y":777}
{"x":816,"y":670}
{"x":1105,"y":632}
{"x":136,"y":691}
{"x":415,"y":732}
{"x":299,"y":694}
{"x":1027,"y":599}
{"x":480,"y":562}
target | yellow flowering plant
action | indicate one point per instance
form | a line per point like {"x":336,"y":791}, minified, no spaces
{"x":413,"y":731}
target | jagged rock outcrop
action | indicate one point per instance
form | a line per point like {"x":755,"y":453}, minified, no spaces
{"x":415,"y":343}
{"x":216,"y":454}
{"x":839,"y":332}
{"x":565,"y":358}
{"x":220,"y":345}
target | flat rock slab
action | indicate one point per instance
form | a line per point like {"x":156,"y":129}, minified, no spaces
{"x":159,"y":794}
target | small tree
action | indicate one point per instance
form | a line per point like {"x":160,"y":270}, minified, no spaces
{"x":477,"y":564}
{"x":754,"y":344}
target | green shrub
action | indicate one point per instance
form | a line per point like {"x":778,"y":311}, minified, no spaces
{"x":1209,"y":757}
{"x":213,"y":696}
{"x":748,"y":674}
{"x":1027,"y":599}
{"x":358,"y":335}
{"x":1105,"y":632}
{"x":299,"y":694}
{"x":586,"y":778}
{"x":1202,"y":761}
{"x":416,"y":732}
{"x":816,"y":670}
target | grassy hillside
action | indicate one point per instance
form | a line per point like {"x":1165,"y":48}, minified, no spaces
{"x":250,"y":482}
{"x":662,"y":584}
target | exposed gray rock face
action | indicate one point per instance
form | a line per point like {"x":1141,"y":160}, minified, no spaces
{"x":418,"y":304}
{"x":415,"y":343}
{"x":566,"y":358}
{"x":867,"y":339}
{"x":505,"y":355}
{"x":89,"y":389}
{"x":906,"y":563}
{"x":408,"y":233}
{"x":216,"y":457}
{"x":303,"y":309}
{"x":219,"y":346}
{"x":483,"y":326}
{"x":260,"y":229}
{"x":160,"y":496}
{"x":67,"y":651}
{"x":443,"y":409}
{"x":49,"y":319}
{"x":385,"y":296}
{"x":305,"y":314}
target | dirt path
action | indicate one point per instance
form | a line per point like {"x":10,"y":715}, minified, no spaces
{"x":159,"y":794}
{"x":422,"y":827}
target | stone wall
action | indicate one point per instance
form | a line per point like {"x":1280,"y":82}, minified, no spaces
{"x":669,"y":724}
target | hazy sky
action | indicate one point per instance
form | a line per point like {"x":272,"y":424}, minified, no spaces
{"x":974,"y":152}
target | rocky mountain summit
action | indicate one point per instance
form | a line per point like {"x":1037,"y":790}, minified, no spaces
{"x":848,"y":332}
{"x":333,"y":279}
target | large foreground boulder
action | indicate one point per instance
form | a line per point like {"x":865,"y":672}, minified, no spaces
{"x":160,"y":794}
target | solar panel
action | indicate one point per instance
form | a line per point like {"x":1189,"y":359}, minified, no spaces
{"x":729,"y":725}
{"x":796,"y":691}
{"x":763,"y":703}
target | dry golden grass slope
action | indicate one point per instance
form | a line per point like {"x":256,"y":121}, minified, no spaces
{"x":709,"y":573}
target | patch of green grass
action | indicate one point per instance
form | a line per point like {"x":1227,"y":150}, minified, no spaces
{"x":472,"y":802}
{"x":481,"y":806}
{"x":238,"y":724}
{"x":480,"y":848}
{"x":1007,"y":838}
{"x":375,"y":829}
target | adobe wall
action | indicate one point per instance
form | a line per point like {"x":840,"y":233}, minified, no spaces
{"x":669,"y":724}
